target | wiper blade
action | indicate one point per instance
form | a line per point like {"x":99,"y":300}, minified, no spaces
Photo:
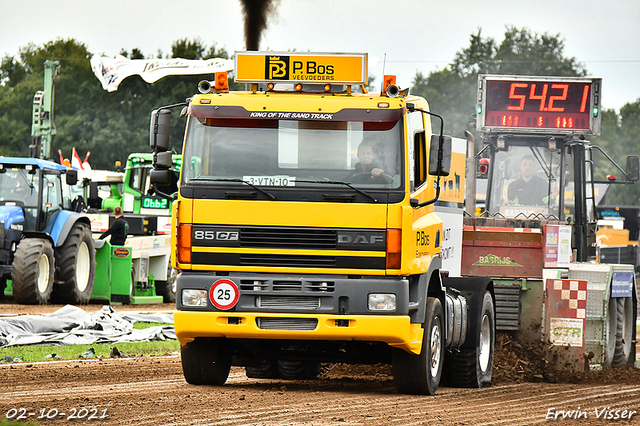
{"x":257,"y":188}
{"x":339,"y":182}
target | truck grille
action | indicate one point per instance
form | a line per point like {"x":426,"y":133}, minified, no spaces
{"x":294,"y":238}
{"x":294,"y":324}
{"x":286,"y":260}
{"x":288,"y":302}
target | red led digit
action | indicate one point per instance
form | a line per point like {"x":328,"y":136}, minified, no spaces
{"x":585,"y":93}
{"x":513,"y":95}
{"x":542,"y":96}
{"x":563,"y":97}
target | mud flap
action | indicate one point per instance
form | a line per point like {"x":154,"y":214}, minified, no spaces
{"x":564,"y":323}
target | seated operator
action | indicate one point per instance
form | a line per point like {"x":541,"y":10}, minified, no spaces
{"x":528,"y":190}
{"x":368,"y":169}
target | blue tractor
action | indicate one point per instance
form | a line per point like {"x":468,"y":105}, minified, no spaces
{"x":46,"y":245}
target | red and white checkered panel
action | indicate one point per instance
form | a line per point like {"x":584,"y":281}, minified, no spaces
{"x":575,"y":293}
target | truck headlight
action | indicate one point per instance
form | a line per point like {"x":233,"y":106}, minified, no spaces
{"x":194,"y":298}
{"x":382,"y":302}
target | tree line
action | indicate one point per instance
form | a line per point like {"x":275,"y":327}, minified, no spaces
{"x":113,"y":124}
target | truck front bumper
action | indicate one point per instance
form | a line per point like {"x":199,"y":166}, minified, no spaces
{"x":397,"y":331}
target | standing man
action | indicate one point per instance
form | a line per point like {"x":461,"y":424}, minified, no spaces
{"x":118,"y":229}
{"x":528,"y":190}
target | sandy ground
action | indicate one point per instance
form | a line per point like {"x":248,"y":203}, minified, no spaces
{"x":152,"y":391}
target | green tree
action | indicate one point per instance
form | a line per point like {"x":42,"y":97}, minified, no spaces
{"x":109,"y":124}
{"x":451,"y":92}
{"x":620,"y":137}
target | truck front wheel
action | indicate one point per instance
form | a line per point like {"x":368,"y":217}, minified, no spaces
{"x":75,"y":267}
{"x":472,"y":367}
{"x":32,"y":271}
{"x":420,"y":374}
{"x":206,"y":361}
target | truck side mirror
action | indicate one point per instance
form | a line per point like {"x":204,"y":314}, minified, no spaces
{"x":162,"y":160}
{"x":161,"y":173}
{"x":72,"y":177}
{"x":160,"y":177}
{"x":632,"y":168}
{"x":159,"y":129}
{"x":444,"y":167}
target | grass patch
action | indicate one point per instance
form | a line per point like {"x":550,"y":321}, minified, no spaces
{"x":32,"y":353}
{"x":6,"y":422}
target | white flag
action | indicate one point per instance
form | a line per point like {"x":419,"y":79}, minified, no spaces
{"x":111,"y":71}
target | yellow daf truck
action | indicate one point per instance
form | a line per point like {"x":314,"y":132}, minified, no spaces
{"x":307,"y":229}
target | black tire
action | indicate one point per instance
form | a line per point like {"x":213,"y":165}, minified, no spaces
{"x":206,"y":361}
{"x":420,"y":374}
{"x":625,"y":332}
{"x":167,"y":289}
{"x":266,"y":370}
{"x":32,"y":271}
{"x":611,"y":325}
{"x":472,"y":367}
{"x":75,"y":266}
{"x":3,"y":286}
{"x":298,"y":370}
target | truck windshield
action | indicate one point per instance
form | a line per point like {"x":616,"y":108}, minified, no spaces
{"x":288,"y":153}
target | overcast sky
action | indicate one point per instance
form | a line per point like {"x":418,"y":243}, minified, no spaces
{"x":415,"y":35}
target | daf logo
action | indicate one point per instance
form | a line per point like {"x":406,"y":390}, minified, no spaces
{"x":360,"y":239}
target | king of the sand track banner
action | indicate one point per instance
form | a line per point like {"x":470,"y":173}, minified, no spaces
{"x":111,"y":71}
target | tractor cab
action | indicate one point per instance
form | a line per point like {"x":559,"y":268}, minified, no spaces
{"x":32,"y":192}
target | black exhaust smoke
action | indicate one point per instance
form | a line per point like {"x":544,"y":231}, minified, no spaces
{"x":256,"y":13}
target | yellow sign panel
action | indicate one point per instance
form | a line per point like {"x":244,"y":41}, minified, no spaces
{"x":335,"y":68}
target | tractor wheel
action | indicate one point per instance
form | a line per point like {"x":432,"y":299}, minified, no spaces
{"x":298,"y":370}
{"x":206,"y":361}
{"x":32,"y":271}
{"x":610,"y":332}
{"x":472,"y":367}
{"x":75,"y":266}
{"x":167,"y":289}
{"x":625,"y":332}
{"x":420,"y":374}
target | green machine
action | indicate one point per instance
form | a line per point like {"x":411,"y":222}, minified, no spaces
{"x":115,"y":280}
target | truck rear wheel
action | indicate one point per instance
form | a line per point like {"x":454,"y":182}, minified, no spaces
{"x":206,"y":361}
{"x":32,"y":271}
{"x":75,"y":266}
{"x":266,"y":370}
{"x":472,"y":367}
{"x":298,"y":370}
{"x":420,"y":374}
{"x":625,"y":330}
{"x":167,"y":289}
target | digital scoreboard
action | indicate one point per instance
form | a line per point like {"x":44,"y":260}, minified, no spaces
{"x":525,"y":104}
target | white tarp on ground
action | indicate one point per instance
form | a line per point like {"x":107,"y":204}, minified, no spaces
{"x":111,"y":71}
{"x":71,"y":325}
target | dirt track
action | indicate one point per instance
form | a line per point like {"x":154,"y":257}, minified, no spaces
{"x":152,"y":391}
